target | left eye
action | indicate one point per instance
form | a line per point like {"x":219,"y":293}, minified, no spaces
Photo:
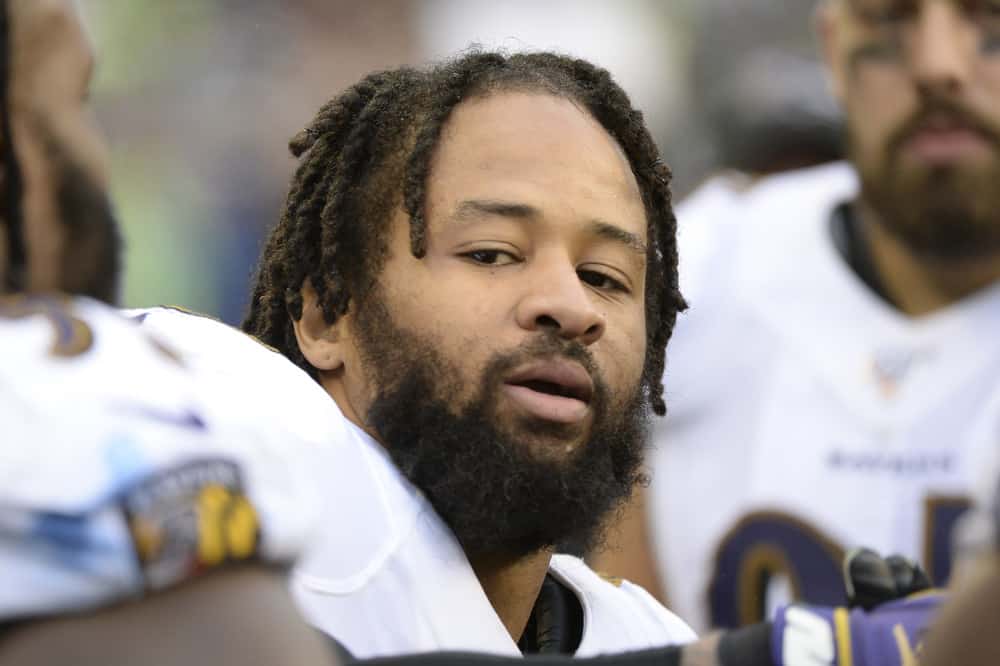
{"x":490,"y":257}
{"x":601,"y":281}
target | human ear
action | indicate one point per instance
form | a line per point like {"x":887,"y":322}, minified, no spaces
{"x":321,"y":343}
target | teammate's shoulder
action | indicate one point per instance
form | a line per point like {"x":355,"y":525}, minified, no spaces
{"x":262,"y":378}
{"x":54,"y":342}
{"x":617,"y":605}
{"x":195,"y":332}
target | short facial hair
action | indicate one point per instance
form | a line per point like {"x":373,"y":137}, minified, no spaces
{"x":947,"y":212}
{"x":497,"y":493}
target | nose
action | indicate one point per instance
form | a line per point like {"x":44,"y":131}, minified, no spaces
{"x":944,"y":46}
{"x":557,"y":301}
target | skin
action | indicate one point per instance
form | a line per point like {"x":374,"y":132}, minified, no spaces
{"x":518,"y":186}
{"x":966,"y":630}
{"x":943,"y":54}
{"x":52,"y":66}
{"x":233,"y":617}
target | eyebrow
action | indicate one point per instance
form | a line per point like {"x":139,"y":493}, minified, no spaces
{"x":474,"y":209}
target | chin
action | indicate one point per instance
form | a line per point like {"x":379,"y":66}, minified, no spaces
{"x":548,"y":440}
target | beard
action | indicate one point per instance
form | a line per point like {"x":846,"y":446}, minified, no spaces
{"x":948,"y":212}
{"x":91,"y":257}
{"x":500,"y":488}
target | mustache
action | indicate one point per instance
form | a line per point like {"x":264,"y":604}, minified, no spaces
{"x":938,"y":108}
{"x":545,"y":346}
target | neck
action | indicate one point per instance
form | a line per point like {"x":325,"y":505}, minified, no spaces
{"x":918,"y":284}
{"x":512,"y":585}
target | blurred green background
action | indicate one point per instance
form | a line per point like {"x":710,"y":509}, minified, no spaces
{"x":199,"y":98}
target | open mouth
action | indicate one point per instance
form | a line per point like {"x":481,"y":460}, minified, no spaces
{"x":944,"y":138}
{"x":553,"y":390}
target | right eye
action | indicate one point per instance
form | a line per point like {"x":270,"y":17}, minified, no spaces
{"x":490,"y":257}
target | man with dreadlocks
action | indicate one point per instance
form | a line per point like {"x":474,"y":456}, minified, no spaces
{"x":159,"y":467}
{"x":477,"y":263}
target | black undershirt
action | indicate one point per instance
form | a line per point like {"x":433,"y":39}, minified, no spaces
{"x":750,"y":646}
{"x":556,"y":622}
{"x":852,"y":244}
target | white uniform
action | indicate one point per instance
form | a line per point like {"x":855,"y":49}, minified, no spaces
{"x":387,"y":576}
{"x":806,"y":415}
{"x":124,"y":469}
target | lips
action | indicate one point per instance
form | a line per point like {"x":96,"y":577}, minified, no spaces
{"x":552,"y":390}
{"x":945,"y":138}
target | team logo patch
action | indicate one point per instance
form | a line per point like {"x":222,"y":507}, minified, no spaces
{"x":190,"y":518}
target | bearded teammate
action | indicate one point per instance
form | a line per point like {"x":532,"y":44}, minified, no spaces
{"x":123,"y":473}
{"x":842,"y":340}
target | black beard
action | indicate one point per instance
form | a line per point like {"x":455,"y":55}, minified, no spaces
{"x":498,"y":494}
{"x":951,"y":213}
{"x":91,"y":261}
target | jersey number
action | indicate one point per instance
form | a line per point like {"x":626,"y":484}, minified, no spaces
{"x":769,"y":544}
{"x":71,"y":335}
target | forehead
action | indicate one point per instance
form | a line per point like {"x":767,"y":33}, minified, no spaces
{"x":52,"y":50}
{"x":535,"y":146}
{"x":875,"y":7}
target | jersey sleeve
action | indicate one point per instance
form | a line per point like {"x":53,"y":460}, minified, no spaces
{"x":123,"y":469}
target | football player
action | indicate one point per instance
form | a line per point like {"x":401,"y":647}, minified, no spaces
{"x":479,"y":302}
{"x":122,"y":471}
{"x":842,"y":343}
{"x":476,"y":261}
{"x":130,"y":470}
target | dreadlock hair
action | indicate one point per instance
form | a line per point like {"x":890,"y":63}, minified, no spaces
{"x":383,"y":131}
{"x":11,"y":185}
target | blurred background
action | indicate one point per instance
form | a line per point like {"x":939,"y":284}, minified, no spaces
{"x":200,"y":97}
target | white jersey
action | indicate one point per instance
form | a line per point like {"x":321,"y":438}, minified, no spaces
{"x":123,"y":469}
{"x":806,"y":416}
{"x":386,"y":576}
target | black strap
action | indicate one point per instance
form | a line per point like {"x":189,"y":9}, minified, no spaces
{"x":852,"y":244}
{"x":749,"y":646}
{"x":669,"y":656}
{"x":556,"y":622}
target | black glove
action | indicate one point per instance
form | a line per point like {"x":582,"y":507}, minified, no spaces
{"x":872,"y":580}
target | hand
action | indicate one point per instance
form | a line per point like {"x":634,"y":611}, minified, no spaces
{"x":872,"y":580}
{"x":890,"y":608}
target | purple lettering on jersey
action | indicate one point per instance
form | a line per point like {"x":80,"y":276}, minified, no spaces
{"x":182,"y":418}
{"x":901,"y":464}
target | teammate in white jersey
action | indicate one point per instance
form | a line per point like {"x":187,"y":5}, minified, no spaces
{"x":123,"y":472}
{"x":842,"y":337}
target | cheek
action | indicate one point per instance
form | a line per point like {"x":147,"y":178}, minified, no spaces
{"x":622,"y":354}
{"x":988,"y":79}
{"x":877,"y":107}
